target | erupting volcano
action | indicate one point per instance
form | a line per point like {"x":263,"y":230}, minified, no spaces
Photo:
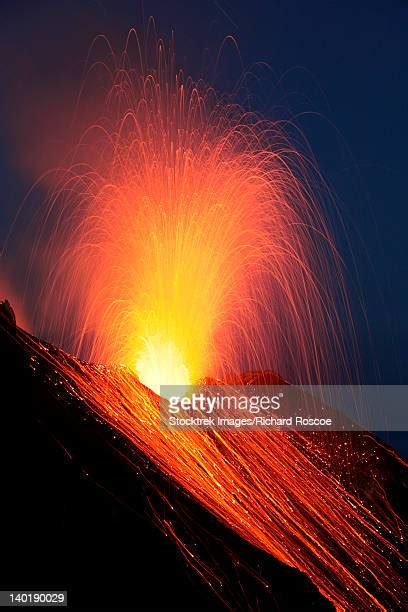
{"x":187,"y":239}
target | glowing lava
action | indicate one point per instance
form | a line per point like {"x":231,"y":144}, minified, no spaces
{"x":161,"y":364}
{"x":185,"y":239}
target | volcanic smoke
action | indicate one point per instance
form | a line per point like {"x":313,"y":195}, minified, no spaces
{"x":186,"y":239}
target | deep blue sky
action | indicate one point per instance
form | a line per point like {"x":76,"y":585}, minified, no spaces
{"x":342,"y":64}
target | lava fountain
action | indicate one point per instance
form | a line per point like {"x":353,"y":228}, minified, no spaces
{"x":187,"y":238}
{"x":184,"y":239}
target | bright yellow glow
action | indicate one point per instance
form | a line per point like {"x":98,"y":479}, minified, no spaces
{"x":161,"y":363}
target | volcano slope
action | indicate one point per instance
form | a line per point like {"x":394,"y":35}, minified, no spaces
{"x":87,"y":511}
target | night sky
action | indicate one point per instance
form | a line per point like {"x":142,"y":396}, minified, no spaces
{"x":338,"y":69}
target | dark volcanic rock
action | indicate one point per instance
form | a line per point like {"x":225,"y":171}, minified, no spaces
{"x":83,"y":511}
